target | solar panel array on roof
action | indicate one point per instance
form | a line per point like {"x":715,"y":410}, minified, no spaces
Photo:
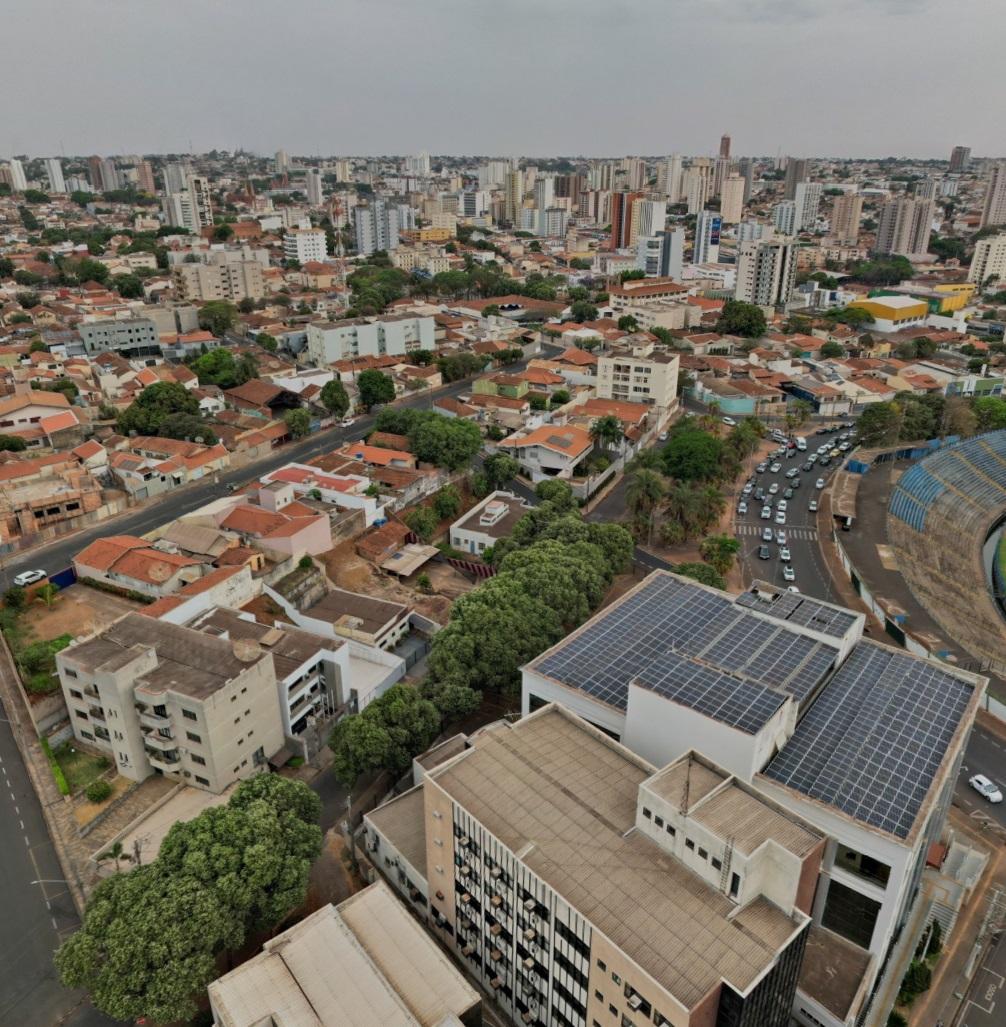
{"x":874,"y":739}
{"x":799,"y":609}
{"x":669,"y":617}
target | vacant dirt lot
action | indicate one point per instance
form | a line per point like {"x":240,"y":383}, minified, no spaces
{"x":78,"y":610}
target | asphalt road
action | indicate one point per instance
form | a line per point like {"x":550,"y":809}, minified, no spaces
{"x":800,"y":527}
{"x":986,"y":1002}
{"x":36,"y":917}
{"x":985,"y":754}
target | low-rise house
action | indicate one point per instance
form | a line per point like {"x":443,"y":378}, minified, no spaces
{"x":347,"y":491}
{"x":261,"y":398}
{"x":23,"y":413}
{"x":485,"y":524}
{"x":378,"y":456}
{"x":289,"y":529}
{"x":550,"y":451}
{"x":364,"y":619}
{"x":223,"y":586}
{"x":133,"y":564}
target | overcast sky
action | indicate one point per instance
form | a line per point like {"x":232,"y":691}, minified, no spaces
{"x":507,"y":77}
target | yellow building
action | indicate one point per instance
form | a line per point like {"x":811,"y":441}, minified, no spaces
{"x":957,"y":295}
{"x":892,"y":313}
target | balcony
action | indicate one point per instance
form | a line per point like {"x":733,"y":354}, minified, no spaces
{"x":91,"y":691}
{"x":153,"y":720}
{"x":166,"y":761}
{"x":160,"y":743}
{"x":96,"y":712}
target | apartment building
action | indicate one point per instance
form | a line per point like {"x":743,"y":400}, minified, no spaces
{"x":904,"y":226}
{"x":305,"y":245}
{"x":994,"y":207}
{"x":960,"y":158}
{"x":766,"y":272}
{"x":54,"y":173}
{"x":639,"y":372}
{"x":637,"y":292}
{"x":863,"y":741}
{"x":161,"y":698}
{"x":365,"y":961}
{"x":582,"y":885}
{"x":431,"y":259}
{"x":785,"y":217}
{"x":846,"y":215}
{"x":989,"y":261}
{"x":377,"y":226}
{"x":190,"y":207}
{"x":622,"y":204}
{"x":732,"y":199}
{"x":396,"y":335}
{"x":232,"y":280}
{"x":129,"y":336}
{"x":661,"y":255}
{"x":807,"y":198}
{"x":708,"y":226}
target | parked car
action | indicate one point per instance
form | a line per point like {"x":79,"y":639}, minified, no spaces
{"x":795,"y":483}
{"x":985,"y":788}
{"x":825,"y":460}
{"x":792,"y":472}
{"x":782,"y":506}
{"x":807,"y":465}
{"x":780,"y":537}
{"x":788,"y":494}
{"x":347,"y":422}
{"x":748,"y":489}
{"x":766,"y":512}
{"x":759,"y":493}
{"x":844,"y":447}
{"x":762,"y":467}
{"x":788,"y":574}
{"x":812,"y":506}
{"x":776,"y":467}
{"x":29,"y":577}
{"x":780,"y":517}
{"x":730,"y":421}
{"x":663,"y":436}
{"x":792,"y":588}
{"x":766,"y":534}
{"x":742,"y":507}
{"x":819,"y":484}
{"x":773,"y":488}
{"x":784,"y":554}
{"x":764,"y":553}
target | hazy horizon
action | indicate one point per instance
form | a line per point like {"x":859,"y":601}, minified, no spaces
{"x":863,"y":80}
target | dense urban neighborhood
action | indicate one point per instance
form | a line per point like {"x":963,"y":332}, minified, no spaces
{"x":553,"y":591}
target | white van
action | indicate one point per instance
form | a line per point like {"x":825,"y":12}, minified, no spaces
{"x":801,"y":443}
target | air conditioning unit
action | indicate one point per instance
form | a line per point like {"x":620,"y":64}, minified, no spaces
{"x":529,"y":904}
{"x":634,"y":1002}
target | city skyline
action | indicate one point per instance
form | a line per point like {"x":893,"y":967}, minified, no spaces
{"x":806,"y":95}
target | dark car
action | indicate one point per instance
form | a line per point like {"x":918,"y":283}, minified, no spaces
{"x":808,"y":466}
{"x":795,"y":483}
{"x":764,"y":553}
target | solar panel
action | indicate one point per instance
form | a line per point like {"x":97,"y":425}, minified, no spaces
{"x":874,"y":739}
{"x":796,"y":608}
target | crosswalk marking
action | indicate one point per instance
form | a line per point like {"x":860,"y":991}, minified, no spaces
{"x":804,"y":534}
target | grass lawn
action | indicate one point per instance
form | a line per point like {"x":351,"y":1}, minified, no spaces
{"x":80,"y":768}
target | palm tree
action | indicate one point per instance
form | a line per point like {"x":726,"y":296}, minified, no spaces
{"x":643,"y":494}
{"x":607,"y":431}
{"x":116,"y":852}
{"x":719,"y":552}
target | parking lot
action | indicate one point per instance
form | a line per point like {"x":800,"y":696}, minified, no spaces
{"x":776,"y":517}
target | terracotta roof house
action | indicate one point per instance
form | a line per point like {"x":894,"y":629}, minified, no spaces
{"x":132,"y":564}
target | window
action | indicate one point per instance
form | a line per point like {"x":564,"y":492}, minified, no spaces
{"x":601,"y":965}
{"x":197,"y":759}
{"x":735,"y":885}
{"x":703,"y":854}
{"x":659,"y":821}
{"x":717,"y":864}
{"x":612,"y":1010}
{"x":598,"y":995}
{"x":192,"y":737}
{"x":647,"y":813}
{"x":202,"y":781}
{"x":188,"y":714}
{"x":69,"y":672}
{"x":689,"y":844}
{"x":615,"y":977}
{"x":670,"y":830}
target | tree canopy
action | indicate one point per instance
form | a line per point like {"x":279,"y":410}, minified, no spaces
{"x":449,"y":442}
{"x":334,"y":397}
{"x":153,"y":405}
{"x":740,"y":318}
{"x":375,"y":387}
{"x":218,"y":316}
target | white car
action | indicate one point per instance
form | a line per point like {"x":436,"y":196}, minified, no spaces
{"x":773,"y":488}
{"x":29,"y":577}
{"x":748,"y":489}
{"x":766,"y":534}
{"x":782,"y":505}
{"x":346,"y":422}
{"x":784,"y":554}
{"x":844,"y":447}
{"x":776,"y":468}
{"x":730,"y":421}
{"x":780,"y":537}
{"x":819,"y":484}
{"x":663,"y":436}
{"x":812,"y":506}
{"x":766,"y":512}
{"x":985,"y":788}
{"x":788,"y":574}
{"x":742,"y":507}
{"x":792,"y":588}
{"x":780,"y":517}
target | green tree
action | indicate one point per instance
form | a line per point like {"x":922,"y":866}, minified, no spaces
{"x":423,"y":521}
{"x":832,"y":350}
{"x":187,"y":426}
{"x":607,"y":431}
{"x":693,"y":455}
{"x":47,"y":594}
{"x":879,"y":424}
{"x":216,"y":367}
{"x":35,"y":196}
{"x":335,"y":398}
{"x":267,"y":342}
{"x":221,"y":233}
{"x":386,"y":735}
{"x":990,"y":413}
{"x":559,"y":398}
{"x":15,"y":598}
{"x":719,"y":551}
{"x":703,"y":573}
{"x":145,"y":414}
{"x":447,"y":502}
{"x":643,"y":495}
{"x":129,"y":287}
{"x":499,"y":470}
{"x":740,"y":318}
{"x":12,"y":443}
{"x":218,"y":316}
{"x":558,"y":495}
{"x":27,"y":300}
{"x":445,"y":441}
{"x":375,"y":387}
{"x":298,"y":422}
{"x":627,"y":323}
{"x":581,"y":311}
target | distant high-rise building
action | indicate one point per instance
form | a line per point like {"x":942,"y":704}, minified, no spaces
{"x":926,"y":189}
{"x":989,"y":261}
{"x":807,"y":197}
{"x":419,"y":164}
{"x":175,"y":177}
{"x":635,"y":172}
{"x":191,"y":207}
{"x":493,"y":173}
{"x":708,"y":226}
{"x":110,"y":177}
{"x":569,"y":187}
{"x":994,"y":209}
{"x":750,"y":230}
{"x":621,"y":218}
{"x":785,"y":217}
{"x":95,"y":171}
{"x":473,"y":203}
{"x":544,"y":192}
{"x":376,"y":227}
{"x":904,"y":226}
{"x":661,"y":255}
{"x":306,"y":245}
{"x":282,"y":161}
{"x":18,"y":180}
{"x":696,"y":189}
{"x":721,"y":169}
{"x":724,"y":146}
{"x":766,"y":271}
{"x":960,"y":158}
{"x":552,"y":222}
{"x":513,"y":196}
{"x":145,"y":177}
{"x":732,"y":199}
{"x":796,"y":171}
{"x":746,"y":169}
{"x":846,"y":214}
{"x":648,"y":217}
{"x":313,"y":184}
{"x":672,"y":178}
{"x":54,"y":172}
{"x":343,"y":170}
